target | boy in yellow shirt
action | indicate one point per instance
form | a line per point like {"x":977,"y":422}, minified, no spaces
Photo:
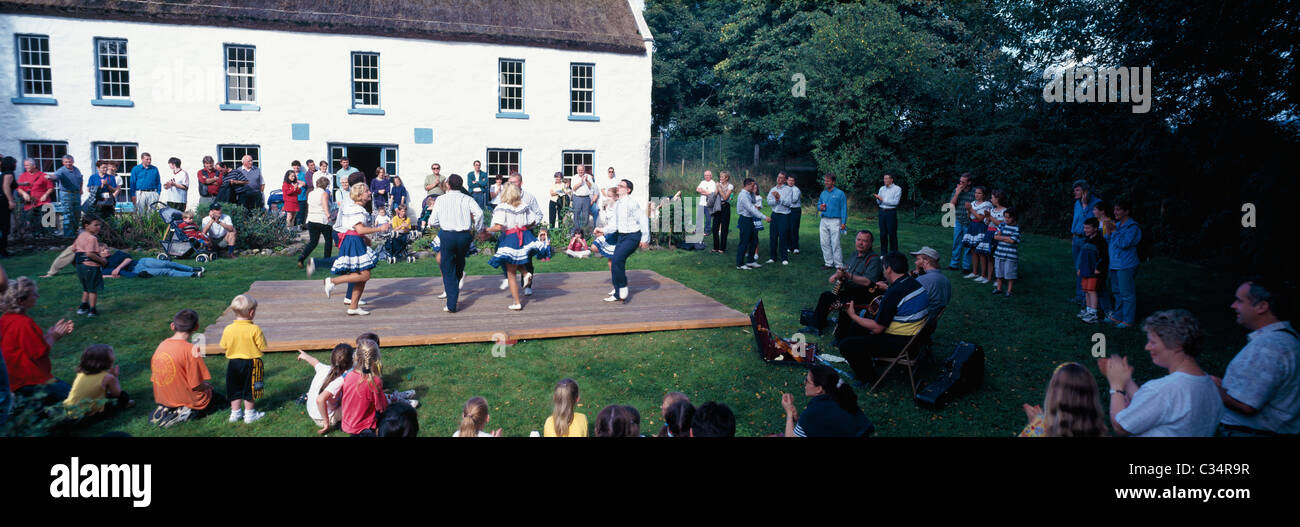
{"x":244,"y":343}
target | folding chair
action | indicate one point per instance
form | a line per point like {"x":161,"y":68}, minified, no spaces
{"x":920,"y":341}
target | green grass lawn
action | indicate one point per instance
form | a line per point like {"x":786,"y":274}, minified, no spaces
{"x":1024,"y":337}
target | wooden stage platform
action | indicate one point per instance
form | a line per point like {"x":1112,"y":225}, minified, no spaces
{"x":294,"y":314}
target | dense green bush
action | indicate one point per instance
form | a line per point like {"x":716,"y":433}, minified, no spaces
{"x":130,"y":230}
{"x":258,"y":229}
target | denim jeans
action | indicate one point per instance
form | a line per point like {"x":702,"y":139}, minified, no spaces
{"x":708,"y":217}
{"x":1076,"y":245}
{"x":581,"y":208}
{"x":960,"y":254}
{"x":1124,"y":284}
{"x":156,"y":267}
{"x":55,"y":391}
{"x":6,"y":401}
{"x":70,"y":208}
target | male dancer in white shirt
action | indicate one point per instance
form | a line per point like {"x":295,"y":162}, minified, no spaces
{"x":458,"y":217}
{"x":630,"y":228}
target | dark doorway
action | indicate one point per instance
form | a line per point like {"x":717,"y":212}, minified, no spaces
{"x":365,"y":157}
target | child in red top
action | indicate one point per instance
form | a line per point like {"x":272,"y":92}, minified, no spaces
{"x":363,"y":393}
{"x":289,"y":191}
{"x":578,"y":247}
{"x":191,"y":229}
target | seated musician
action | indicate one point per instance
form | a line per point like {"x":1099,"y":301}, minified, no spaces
{"x":902,"y":314}
{"x":862,"y":272}
{"x":932,"y":279}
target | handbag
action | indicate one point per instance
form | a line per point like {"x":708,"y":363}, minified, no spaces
{"x":758,"y":225}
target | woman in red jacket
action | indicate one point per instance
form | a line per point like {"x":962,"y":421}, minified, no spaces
{"x":26,"y":349}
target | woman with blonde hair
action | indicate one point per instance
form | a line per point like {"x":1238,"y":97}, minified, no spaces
{"x":1185,"y":403}
{"x":474,"y":418}
{"x":517,"y":245}
{"x":1072,"y":406}
{"x":564,"y":422}
{"x":26,"y":348}
{"x":722,"y":212}
{"x":356,"y":258}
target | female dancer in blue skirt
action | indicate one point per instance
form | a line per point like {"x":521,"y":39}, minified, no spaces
{"x":512,"y":217}
{"x":356,"y":258}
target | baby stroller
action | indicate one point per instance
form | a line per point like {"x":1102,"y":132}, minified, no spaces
{"x":275,"y":202}
{"x":175,"y":244}
{"x":396,"y":245}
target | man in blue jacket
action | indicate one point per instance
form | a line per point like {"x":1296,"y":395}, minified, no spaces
{"x":1083,"y":202}
{"x":68,"y":179}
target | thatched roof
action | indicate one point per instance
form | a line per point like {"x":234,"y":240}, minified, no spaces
{"x":596,"y":25}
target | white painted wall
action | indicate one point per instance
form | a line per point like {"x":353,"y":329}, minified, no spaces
{"x":177,"y":83}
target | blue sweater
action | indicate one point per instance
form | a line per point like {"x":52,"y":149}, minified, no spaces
{"x":1123,"y":245}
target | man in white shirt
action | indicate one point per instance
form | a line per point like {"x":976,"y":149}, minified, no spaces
{"x":457,"y":216}
{"x":220,"y":229}
{"x":708,"y":187}
{"x":176,"y":185}
{"x":631,"y":228}
{"x":796,"y":211}
{"x":584,"y":188}
{"x":779,"y":236}
{"x":887,"y":198}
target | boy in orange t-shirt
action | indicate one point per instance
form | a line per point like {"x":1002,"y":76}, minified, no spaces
{"x":179,"y":375}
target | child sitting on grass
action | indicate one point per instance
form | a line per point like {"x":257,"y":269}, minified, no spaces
{"x":327,"y":385}
{"x":362,"y":394}
{"x":677,"y":412}
{"x":564,"y":422}
{"x":405,"y":395}
{"x":244,"y":344}
{"x":578,"y":247}
{"x":474,"y":418}
{"x":179,"y":375}
{"x":97,"y":378}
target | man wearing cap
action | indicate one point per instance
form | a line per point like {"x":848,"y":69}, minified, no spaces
{"x":220,"y":229}
{"x":932,"y":279}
